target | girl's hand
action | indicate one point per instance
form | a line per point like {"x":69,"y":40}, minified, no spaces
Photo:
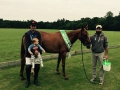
{"x":31,"y":53}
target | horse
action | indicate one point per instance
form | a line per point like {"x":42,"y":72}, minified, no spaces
{"x":54,"y":43}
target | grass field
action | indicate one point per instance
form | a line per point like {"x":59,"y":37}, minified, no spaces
{"x":49,"y":80}
{"x":10,"y":80}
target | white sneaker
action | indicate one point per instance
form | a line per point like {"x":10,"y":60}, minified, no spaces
{"x":101,"y":82}
{"x":93,"y":79}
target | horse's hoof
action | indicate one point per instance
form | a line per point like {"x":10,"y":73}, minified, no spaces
{"x":22,"y":78}
{"x":66,"y":78}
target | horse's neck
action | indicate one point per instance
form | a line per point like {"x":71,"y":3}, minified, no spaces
{"x":73,"y":35}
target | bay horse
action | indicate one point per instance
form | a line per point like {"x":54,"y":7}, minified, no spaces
{"x":54,"y":43}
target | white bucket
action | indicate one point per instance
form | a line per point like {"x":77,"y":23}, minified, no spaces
{"x":106,"y":65}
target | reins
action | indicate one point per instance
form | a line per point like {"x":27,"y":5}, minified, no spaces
{"x":84,"y":64}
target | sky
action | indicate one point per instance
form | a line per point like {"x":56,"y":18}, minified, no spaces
{"x":52,"y":10}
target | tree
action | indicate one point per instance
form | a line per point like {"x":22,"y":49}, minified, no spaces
{"x":109,"y":14}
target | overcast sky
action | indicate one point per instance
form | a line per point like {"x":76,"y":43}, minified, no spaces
{"x":52,"y":10}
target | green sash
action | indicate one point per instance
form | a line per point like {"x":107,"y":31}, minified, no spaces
{"x":66,"y":39}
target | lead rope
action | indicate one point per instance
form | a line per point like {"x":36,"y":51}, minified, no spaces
{"x":84,"y":64}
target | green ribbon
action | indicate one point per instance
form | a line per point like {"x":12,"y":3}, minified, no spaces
{"x":66,"y":39}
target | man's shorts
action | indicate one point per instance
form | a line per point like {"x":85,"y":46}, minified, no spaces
{"x":36,"y":60}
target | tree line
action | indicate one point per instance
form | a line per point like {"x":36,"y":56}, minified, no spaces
{"x":109,"y":22}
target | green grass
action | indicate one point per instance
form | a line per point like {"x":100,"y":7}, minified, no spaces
{"x":49,"y":80}
{"x":10,"y":42}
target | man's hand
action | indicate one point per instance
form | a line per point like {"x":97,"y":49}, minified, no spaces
{"x":106,"y":56}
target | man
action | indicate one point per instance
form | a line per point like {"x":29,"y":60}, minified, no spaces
{"x":99,"y":44}
{"x":32,"y":33}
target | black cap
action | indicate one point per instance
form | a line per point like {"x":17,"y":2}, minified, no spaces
{"x":33,"y":23}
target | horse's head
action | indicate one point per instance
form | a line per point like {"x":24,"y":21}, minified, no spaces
{"x":84,"y":36}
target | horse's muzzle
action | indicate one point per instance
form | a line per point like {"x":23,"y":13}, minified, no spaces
{"x":88,"y":45}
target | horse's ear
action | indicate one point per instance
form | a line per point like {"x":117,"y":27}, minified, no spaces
{"x":86,"y":27}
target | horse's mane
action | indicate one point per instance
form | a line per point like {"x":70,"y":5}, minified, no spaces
{"x":48,"y":32}
{"x":71,"y":32}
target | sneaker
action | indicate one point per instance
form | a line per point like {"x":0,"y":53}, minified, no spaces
{"x":101,"y":82}
{"x":93,"y":79}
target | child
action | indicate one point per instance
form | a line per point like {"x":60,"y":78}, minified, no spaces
{"x":33,"y":49}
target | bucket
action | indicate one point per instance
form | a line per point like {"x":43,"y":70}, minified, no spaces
{"x":106,"y":65}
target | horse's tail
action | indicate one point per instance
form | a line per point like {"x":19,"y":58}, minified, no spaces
{"x":22,"y":52}
{"x":22,"y":55}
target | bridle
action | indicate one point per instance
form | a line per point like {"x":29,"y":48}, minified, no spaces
{"x":84,"y":39}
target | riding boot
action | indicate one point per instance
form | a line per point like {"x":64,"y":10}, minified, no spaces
{"x":36,"y":70}
{"x":28,"y":70}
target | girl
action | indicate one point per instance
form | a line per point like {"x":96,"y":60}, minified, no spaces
{"x":34,"y":49}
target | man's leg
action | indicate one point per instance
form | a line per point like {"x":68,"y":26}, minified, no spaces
{"x":94,"y":63}
{"x":36,"y":70}
{"x":101,"y":76}
{"x":28,"y":70}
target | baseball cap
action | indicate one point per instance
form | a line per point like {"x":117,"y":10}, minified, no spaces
{"x":98,"y":26}
{"x":33,"y":23}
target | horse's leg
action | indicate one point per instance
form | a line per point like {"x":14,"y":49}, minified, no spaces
{"x":63,"y":65}
{"x":58,"y":63}
{"x":22,"y":69}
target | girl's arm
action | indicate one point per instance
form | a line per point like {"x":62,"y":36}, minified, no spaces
{"x":29,"y":49}
{"x":41,"y":48}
